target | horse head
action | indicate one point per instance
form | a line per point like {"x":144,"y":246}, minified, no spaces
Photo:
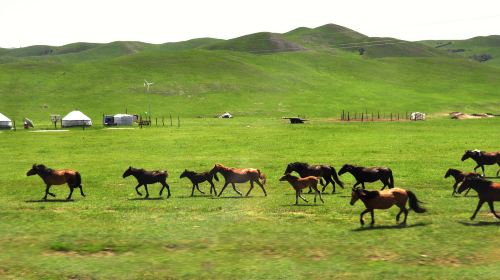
{"x":448,"y":173}
{"x":345,"y":168}
{"x":127,"y":172}
{"x":33,"y":170}
{"x":295,"y":166}
{"x":184,"y":174}
{"x":287,"y":177}
{"x":356,"y":194}
{"x":471,"y":154}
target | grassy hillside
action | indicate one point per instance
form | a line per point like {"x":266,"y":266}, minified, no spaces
{"x":477,"y":46}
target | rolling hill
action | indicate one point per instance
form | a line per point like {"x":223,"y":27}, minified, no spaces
{"x":315,"y":72}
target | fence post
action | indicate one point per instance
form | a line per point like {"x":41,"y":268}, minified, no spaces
{"x":163,"y":120}
{"x":156,"y":121}
{"x":362,"y":115}
{"x":170,"y":119}
{"x":391,"y":117}
{"x":178,"y":121}
{"x":348,"y":118}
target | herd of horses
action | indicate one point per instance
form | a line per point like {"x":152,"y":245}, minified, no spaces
{"x":310,"y":177}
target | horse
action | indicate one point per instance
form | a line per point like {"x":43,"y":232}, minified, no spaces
{"x":57,"y":177}
{"x":459,"y":176}
{"x":148,"y":177}
{"x":483,"y":158}
{"x":369,"y":174}
{"x":301,"y":183}
{"x":487,"y":191}
{"x":326,"y":172}
{"x":240,"y":175}
{"x":197,"y":178}
{"x":385,"y":200}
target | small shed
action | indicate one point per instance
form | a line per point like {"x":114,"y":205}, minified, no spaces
{"x":5,"y":123}
{"x":76,"y":118}
{"x":417,"y":116}
{"x":118,"y":120}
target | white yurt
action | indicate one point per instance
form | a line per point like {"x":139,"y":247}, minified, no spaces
{"x":123,"y":119}
{"x":76,"y":118}
{"x":5,"y":123}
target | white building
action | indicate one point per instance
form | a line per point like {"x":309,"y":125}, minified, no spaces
{"x":76,"y":118}
{"x":5,"y":123}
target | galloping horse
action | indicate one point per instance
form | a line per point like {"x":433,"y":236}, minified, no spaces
{"x":240,"y":175}
{"x":197,"y":178}
{"x":487,"y":191}
{"x":459,"y":176}
{"x":57,"y":177}
{"x":385,"y":200}
{"x":148,"y":177}
{"x":301,"y":183}
{"x":324,"y":171}
{"x":483,"y":158}
{"x":369,"y":174}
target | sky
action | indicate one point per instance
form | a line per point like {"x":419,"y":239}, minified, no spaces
{"x":58,"y":22}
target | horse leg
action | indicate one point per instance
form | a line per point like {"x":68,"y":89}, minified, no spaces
{"x":482,"y":168}
{"x":363,"y":185}
{"x":399,"y":214}
{"x":212,"y":186}
{"x":47,"y":192}
{"x":406,"y":216}
{"x":236,"y":190}
{"x":81,"y":190}
{"x":490,"y":203}
{"x":192,"y":190}
{"x":325,"y":185}
{"x":468,"y":190}
{"x":385,"y":182}
{"x":137,"y":189}
{"x":262,"y":187}
{"x":70,"y":192}
{"x":300,"y":195}
{"x":361,"y":216}
{"x":454,"y":188}
{"x":223,"y":188}
{"x":357,"y":183}
{"x":333,"y":184}
{"x":250,"y":189}
{"x":373,"y":217}
{"x":476,"y":167}
{"x":479,"y":204}
{"x":198,"y":188}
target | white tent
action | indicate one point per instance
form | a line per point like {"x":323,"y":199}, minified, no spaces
{"x":123,"y":119}
{"x":76,"y":118}
{"x":5,"y":123}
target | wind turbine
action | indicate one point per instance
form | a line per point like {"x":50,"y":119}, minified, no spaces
{"x":147,"y":84}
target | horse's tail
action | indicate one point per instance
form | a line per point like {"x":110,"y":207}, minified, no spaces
{"x":391,"y":179}
{"x":78,"y":179}
{"x":414,"y":203}
{"x":262,"y":177}
{"x":336,"y":178}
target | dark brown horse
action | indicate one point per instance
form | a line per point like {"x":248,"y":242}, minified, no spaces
{"x":240,"y":175}
{"x":326,"y":172}
{"x":459,"y":176}
{"x":385,"y":200}
{"x":369,"y":174}
{"x":301,"y":183}
{"x":197,"y":178}
{"x":57,"y":177}
{"x":487,"y":191}
{"x":148,"y":177}
{"x":483,"y":158}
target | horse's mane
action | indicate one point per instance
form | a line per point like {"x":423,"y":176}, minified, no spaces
{"x":299,"y":163}
{"x":368,"y":194}
{"x":44,"y":169}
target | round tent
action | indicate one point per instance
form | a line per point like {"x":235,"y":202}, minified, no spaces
{"x":76,"y":118}
{"x":5,"y":123}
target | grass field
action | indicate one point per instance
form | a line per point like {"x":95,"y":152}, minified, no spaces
{"x":109,"y":234}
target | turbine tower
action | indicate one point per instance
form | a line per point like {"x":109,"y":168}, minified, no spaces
{"x":147,"y":85}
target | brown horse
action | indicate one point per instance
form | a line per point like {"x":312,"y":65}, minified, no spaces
{"x":487,"y":191}
{"x":240,"y":175}
{"x":301,"y":183}
{"x":385,"y":200}
{"x":148,"y":177}
{"x":459,"y":176}
{"x":483,"y":158}
{"x":57,"y":177}
{"x":369,"y":174}
{"x":197,"y":178}
{"x":326,"y":172}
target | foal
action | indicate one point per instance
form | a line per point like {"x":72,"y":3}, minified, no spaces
{"x":483,"y":158}
{"x":197,"y":178}
{"x":487,"y":191}
{"x":459,"y":176}
{"x":385,"y":200}
{"x":57,"y":177}
{"x":369,"y":174}
{"x":326,"y":172}
{"x":301,"y":183}
{"x":148,"y":177}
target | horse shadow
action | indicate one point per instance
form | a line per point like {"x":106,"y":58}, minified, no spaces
{"x":301,"y":205}
{"x":145,"y":198}
{"x":231,"y":197}
{"x":195,"y":196}
{"x":480,"y":224}
{"x":396,"y":226}
{"x":49,"y":200}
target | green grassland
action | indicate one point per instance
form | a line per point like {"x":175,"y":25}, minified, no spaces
{"x":259,"y":78}
{"x":108,"y":235}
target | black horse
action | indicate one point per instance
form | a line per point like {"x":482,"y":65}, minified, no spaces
{"x":459,"y":176}
{"x":369,"y":174}
{"x":197,"y":178}
{"x":483,"y":158}
{"x":487,"y":191}
{"x":325,"y":172}
{"x":148,"y":177}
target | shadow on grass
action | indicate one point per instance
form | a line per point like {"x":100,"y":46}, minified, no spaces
{"x":149,"y":198}
{"x":480,"y":224}
{"x":49,"y":200}
{"x":231,"y":197}
{"x":397,"y":226}
{"x":195,"y":196}
{"x":302,"y":204}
